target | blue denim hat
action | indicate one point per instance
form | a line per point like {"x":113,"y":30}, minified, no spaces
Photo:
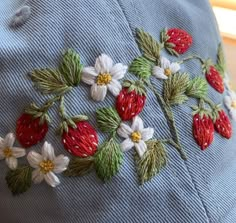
{"x":154,"y":169}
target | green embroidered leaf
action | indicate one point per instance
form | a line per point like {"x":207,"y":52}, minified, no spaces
{"x":175,"y":87}
{"x":108,"y":160}
{"x":79,"y":166}
{"x":148,"y":45}
{"x":141,"y":67}
{"x":108,"y":119}
{"x":197,"y":88}
{"x":221,"y":64}
{"x":19,"y":180}
{"x":49,"y":81}
{"x":153,"y":160}
{"x":71,"y":68}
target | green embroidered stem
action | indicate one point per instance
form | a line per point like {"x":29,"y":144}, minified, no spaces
{"x":190,"y":58}
{"x":170,"y":119}
{"x":209,"y":102}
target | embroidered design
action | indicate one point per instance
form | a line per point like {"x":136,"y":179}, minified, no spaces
{"x":21,"y":16}
{"x":131,"y":99}
{"x":176,"y":41}
{"x":31,"y":130}
{"x":46,"y":165}
{"x":213,"y":76}
{"x":80,"y":138}
{"x":135,"y":136}
{"x":104,"y":76}
{"x":166,"y":69}
{"x":81,"y":141}
{"x":9,"y":152}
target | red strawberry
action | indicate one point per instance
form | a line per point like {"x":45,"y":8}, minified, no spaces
{"x":215,"y":79}
{"x":81,"y":141}
{"x":129,"y":103}
{"x":29,"y":131}
{"x":223,"y":125}
{"x":203,"y":130}
{"x":180,"y":38}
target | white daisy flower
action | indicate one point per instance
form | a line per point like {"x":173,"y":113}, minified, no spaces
{"x":166,"y":69}
{"x":230,"y":103}
{"x":10,"y":153}
{"x":46,"y":165}
{"x":135,"y":136}
{"x":104,"y":75}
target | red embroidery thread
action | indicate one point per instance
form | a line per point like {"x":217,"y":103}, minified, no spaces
{"x":180,"y":38}
{"x":29,"y":131}
{"x":223,"y":125}
{"x":129,"y":104}
{"x":203,"y":130}
{"x":215,"y":79}
{"x":81,"y":141}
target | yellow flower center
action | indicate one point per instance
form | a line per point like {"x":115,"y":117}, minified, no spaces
{"x":233,"y":105}
{"x":168,"y":72}
{"x":103,"y":79}
{"x":46,"y":166}
{"x":136,"y":136}
{"x":7,"y":152}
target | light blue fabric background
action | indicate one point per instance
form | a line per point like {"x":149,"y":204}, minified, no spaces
{"x":201,"y":189}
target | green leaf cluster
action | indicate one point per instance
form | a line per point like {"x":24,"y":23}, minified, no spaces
{"x":175,"y":87}
{"x":197,"y":88}
{"x":19,"y":180}
{"x":141,"y":67}
{"x":108,"y":119}
{"x":79,"y":166}
{"x":108,"y":160}
{"x":59,"y":81}
{"x":153,"y":160}
{"x":148,"y":45}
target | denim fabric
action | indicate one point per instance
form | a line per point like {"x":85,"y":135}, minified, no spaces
{"x":201,"y":189}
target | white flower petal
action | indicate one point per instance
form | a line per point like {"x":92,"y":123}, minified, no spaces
{"x":51,"y":179}
{"x":34,"y":159}
{"x":228,"y":101}
{"x":174,"y":67}
{"x":9,"y":140}
{"x":124,"y":131}
{"x":147,"y":133}
{"x":89,"y":75}
{"x":37,"y":176}
{"x":18,"y":152}
{"x":141,"y":148}
{"x":11,"y":162}
{"x":126,"y":145}
{"x":159,"y":73}
{"x":137,"y":124}
{"x":118,"y":71}
{"x":61,"y":162}
{"x":232,"y":114}
{"x":98,"y":93}
{"x":165,"y":63}
{"x":48,"y":151}
{"x":114,"y":87}
{"x":103,"y":64}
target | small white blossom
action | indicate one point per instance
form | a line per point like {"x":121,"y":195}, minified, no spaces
{"x":104,"y":76}
{"x":46,"y":165}
{"x":166,"y":69}
{"x":135,"y":136}
{"x":10,"y":153}
{"x":230,"y":103}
